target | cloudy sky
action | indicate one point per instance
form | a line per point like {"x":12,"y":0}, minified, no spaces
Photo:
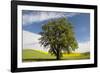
{"x":33,"y":21}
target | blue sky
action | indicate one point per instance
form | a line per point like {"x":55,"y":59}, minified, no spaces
{"x":33,"y":21}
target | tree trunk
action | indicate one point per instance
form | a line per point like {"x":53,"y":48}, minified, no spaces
{"x":58,"y":55}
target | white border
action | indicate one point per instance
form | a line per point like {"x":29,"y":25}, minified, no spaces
{"x":53,"y":63}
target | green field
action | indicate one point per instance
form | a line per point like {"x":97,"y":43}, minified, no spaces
{"x":30,"y":55}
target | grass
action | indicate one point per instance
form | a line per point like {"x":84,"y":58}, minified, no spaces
{"x":29,"y":55}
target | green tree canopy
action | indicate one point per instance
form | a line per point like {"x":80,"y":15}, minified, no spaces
{"x":59,"y":36}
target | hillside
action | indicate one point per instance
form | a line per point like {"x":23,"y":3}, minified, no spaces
{"x":30,"y":55}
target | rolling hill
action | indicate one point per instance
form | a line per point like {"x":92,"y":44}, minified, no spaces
{"x":30,"y":55}
{"x":33,"y":51}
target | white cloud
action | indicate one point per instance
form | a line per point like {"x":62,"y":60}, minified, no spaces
{"x":40,"y":16}
{"x":31,"y":41}
{"x":83,"y":47}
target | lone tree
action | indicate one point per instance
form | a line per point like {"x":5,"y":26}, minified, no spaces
{"x":58,"y":35}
